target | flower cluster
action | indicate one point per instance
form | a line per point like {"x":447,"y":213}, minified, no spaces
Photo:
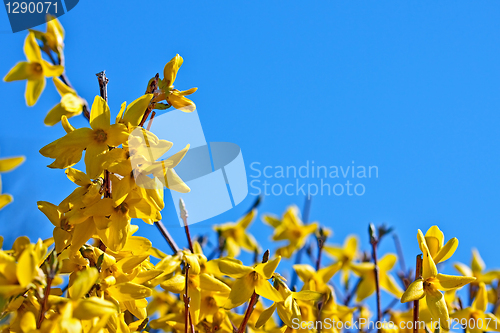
{"x":96,"y":275}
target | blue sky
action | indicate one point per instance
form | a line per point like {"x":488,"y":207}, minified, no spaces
{"x":410,"y":87}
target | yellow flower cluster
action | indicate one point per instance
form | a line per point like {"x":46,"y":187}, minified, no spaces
{"x":95,"y":276}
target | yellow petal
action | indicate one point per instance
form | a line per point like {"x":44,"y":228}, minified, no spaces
{"x":115,"y":236}
{"x":99,"y":114}
{"x":175,"y":284}
{"x":93,"y":159}
{"x":135,"y":111}
{"x":434,"y":239}
{"x":428,"y":266}
{"x":477,"y":264}
{"x":31,"y":49}
{"x":304,"y":272}
{"x":463,"y":269}
{"x":241,"y":291}
{"x":72,"y":104}
{"x":180,"y":102}
{"x":188,"y":92}
{"x":209,"y":283}
{"x":481,"y":301}
{"x":245,"y":221}
{"x":28,"y":322}
{"x":51,"y":211}
{"x":27,"y":267}
{"x":267,"y":269}
{"x":34,"y":89}
{"x":92,"y":307}
{"x":170,"y":70}
{"x":54,"y":115}
{"x":116,"y":135}
{"x":449,"y":282}
{"x":21,"y":71}
{"x":266,"y":290}
{"x":50,"y":70}
{"x":387,"y":262}
{"x":175,"y":159}
{"x":326,"y":273}
{"x":351,"y":245}
{"x":414,"y":292}
{"x":389,"y":284}
{"x":62,"y":88}
{"x":174,"y":182}
{"x":437,"y":306}
{"x":82,"y":233}
{"x":78,"y":177}
{"x":83,"y":282}
{"x":446,"y":251}
{"x":307,"y":295}
{"x":129,"y":291}
{"x":366,"y":287}
{"x":265,"y":316}
{"x":10,"y":163}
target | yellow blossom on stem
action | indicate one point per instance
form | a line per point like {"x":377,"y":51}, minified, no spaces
{"x":367,"y":284}
{"x":53,"y":37}
{"x":95,"y":140}
{"x":290,"y":228}
{"x":71,"y":104}
{"x":476,"y":317}
{"x":173,"y":96}
{"x":34,"y":70}
{"x":345,"y":254}
{"x":249,"y":280}
{"x":429,"y":286}
{"x":477,"y":269}
{"x":236,"y":236}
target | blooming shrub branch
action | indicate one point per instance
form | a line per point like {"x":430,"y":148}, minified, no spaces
{"x":95,"y":275}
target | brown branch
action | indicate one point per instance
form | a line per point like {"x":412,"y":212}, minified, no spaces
{"x":416,"y":304}
{"x":352,"y":292}
{"x":374,"y":242}
{"x":321,"y":242}
{"x":164,"y":232}
{"x":103,"y":91}
{"x":187,"y":299}
{"x":45,"y":302}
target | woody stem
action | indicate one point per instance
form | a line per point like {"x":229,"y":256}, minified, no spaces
{"x":418,"y":275}
{"x":374,"y":243}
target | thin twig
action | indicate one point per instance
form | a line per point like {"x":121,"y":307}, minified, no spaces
{"x":252,"y":302}
{"x":45,"y":302}
{"x":321,"y":242}
{"x":353,"y":291}
{"x":164,"y":232}
{"x":184,"y":216}
{"x":187,"y":299}
{"x":103,"y":91}
{"x":416,"y":304}
{"x":374,"y":242}
{"x":399,"y":250}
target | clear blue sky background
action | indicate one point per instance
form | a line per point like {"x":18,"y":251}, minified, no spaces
{"x":410,"y":87}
